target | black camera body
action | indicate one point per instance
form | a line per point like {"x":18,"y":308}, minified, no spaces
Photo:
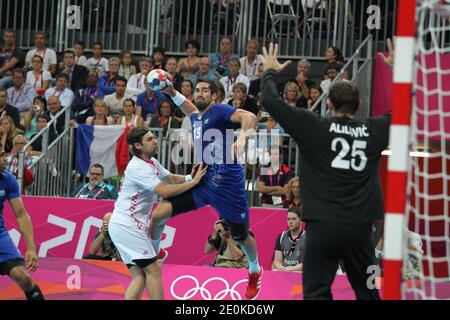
{"x":225,"y":225}
{"x":220,"y":70}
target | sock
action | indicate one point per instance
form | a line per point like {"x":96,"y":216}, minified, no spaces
{"x":34,"y":294}
{"x":252,"y":257}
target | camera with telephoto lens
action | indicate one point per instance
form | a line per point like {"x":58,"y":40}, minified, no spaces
{"x":220,"y":70}
{"x":225,"y":225}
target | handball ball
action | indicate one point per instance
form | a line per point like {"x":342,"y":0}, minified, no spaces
{"x":157,"y":80}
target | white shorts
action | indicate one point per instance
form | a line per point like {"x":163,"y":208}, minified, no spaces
{"x":131,"y":242}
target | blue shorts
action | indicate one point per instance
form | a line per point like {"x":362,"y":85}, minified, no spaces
{"x":8,"y":249}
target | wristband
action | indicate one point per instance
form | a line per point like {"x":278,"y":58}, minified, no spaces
{"x":179,"y":99}
{"x":188,"y":178}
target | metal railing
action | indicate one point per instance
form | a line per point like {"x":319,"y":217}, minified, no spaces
{"x":361,"y":74}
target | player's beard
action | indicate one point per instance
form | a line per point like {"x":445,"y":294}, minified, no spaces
{"x":202,"y":105}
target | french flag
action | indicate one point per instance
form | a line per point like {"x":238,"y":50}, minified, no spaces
{"x":105,"y":145}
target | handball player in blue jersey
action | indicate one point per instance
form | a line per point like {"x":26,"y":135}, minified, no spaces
{"x":223,"y":185}
{"x":12,"y":263}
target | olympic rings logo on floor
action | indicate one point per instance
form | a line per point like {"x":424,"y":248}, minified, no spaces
{"x":204,"y":292}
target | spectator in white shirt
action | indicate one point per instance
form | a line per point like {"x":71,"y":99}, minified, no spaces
{"x":38,"y":78}
{"x":97,"y":62}
{"x":61,"y":90}
{"x":80,"y":58}
{"x":136,"y":83}
{"x":115,"y":100}
{"x":250,"y":63}
{"x":234,"y":77}
{"x":47,"y":54}
{"x":20,"y":95}
{"x":332,"y":70}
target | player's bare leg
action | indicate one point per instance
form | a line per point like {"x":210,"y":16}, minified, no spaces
{"x":20,"y":276}
{"x":154,"y":281}
{"x":137,"y":285}
{"x":160,"y":215}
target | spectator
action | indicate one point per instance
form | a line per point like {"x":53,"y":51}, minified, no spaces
{"x":220,"y":94}
{"x":36,"y":146}
{"x":130,"y":119}
{"x":204,"y":72}
{"x":84,"y":99}
{"x":37,"y":78}
{"x":106,"y":83}
{"x":11,"y":57}
{"x":19,"y":142}
{"x":293,"y":194}
{"x":48,"y":55}
{"x":290,"y":245}
{"x":54,"y":107}
{"x":229,"y":253}
{"x":61,"y":90}
{"x":97,"y":62}
{"x":147,"y":103}
{"x":293,"y":96}
{"x":303,"y":73}
{"x":96,"y":188}
{"x":334,"y":55}
{"x":165,"y":118}
{"x":21,"y":95}
{"x":136,"y":83}
{"x":255,"y":85}
{"x":189,"y":65}
{"x":220,"y":60}
{"x":176,"y":78}
{"x":187,"y":89}
{"x":7,"y":133}
{"x":100,"y":117}
{"x":8,"y":110}
{"x":158,"y":58}
{"x":115,"y":100}
{"x":233,"y":77}
{"x":269,"y":125}
{"x":127,"y":68}
{"x":102,"y":248}
{"x":273,"y":182}
{"x":314,"y":94}
{"x":332,"y":71}
{"x":30,"y":123}
{"x":250,"y":63}
{"x":241,"y":100}
{"x":77,"y":73}
{"x":80,"y":58}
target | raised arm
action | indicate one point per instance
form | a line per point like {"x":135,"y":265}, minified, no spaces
{"x":186,"y":106}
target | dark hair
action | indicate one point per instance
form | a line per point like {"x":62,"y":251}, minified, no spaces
{"x":80,"y":43}
{"x":190,"y":83}
{"x":63,"y":75}
{"x":193,"y":43}
{"x":123,"y":53}
{"x":43,"y":116}
{"x":41,"y":99}
{"x":129,"y":100}
{"x":19,"y":70}
{"x":158,"y":49}
{"x":234,"y":59}
{"x":97,"y":43}
{"x":297,"y":211}
{"x":69,"y":52}
{"x":3,"y":89}
{"x":120,"y":78}
{"x":172,"y":107}
{"x":338,"y":54}
{"x":9,"y":31}
{"x":333,"y":65}
{"x":345,"y":97}
{"x":135,"y":136}
{"x":212,"y":85}
{"x":97,"y":165}
{"x":39,"y":57}
{"x":42,"y":33}
{"x":317,"y":87}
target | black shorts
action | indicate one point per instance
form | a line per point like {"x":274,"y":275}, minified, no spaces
{"x":8,"y":265}
{"x":182,"y":203}
{"x":142,"y":263}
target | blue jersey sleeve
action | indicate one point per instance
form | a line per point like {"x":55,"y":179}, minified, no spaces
{"x":227,"y":111}
{"x":12,"y":187}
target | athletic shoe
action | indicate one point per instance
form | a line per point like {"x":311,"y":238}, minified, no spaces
{"x":162,"y":255}
{"x":254,"y":285}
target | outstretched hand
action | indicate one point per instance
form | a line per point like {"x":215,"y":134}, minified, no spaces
{"x":271,"y":58}
{"x":389,"y":60}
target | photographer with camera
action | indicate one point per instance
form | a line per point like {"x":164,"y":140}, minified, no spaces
{"x":229,"y":254}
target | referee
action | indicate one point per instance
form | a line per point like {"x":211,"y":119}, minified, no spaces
{"x":341,"y":193}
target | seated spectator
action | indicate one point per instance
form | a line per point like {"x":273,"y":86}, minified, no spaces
{"x":11,"y":57}
{"x":115,"y":100}
{"x":19,"y":143}
{"x":36,"y":146}
{"x":77,"y":74}
{"x":293,"y":194}
{"x":130,"y":119}
{"x":136,"y":83}
{"x":233,"y":77}
{"x":250,"y":63}
{"x":176,"y":78}
{"x":84,"y":98}
{"x":7,"y":133}
{"x":334,"y":55}
{"x":21,"y":95}
{"x":255,"y":85}
{"x":48,"y":55}
{"x":229,"y":253}
{"x":220,"y":94}
{"x":147,"y":103}
{"x":204,"y":72}
{"x":106,"y":83}
{"x":314,"y":94}
{"x":54,"y":107}
{"x":290,"y":244}
{"x":293,"y":96}
{"x":61,"y":90}
{"x":97,"y":62}
{"x":187,"y":89}
{"x":332,"y":70}
{"x":8,"y":110}
{"x":100,"y":117}
{"x":80,"y":58}
{"x":96,"y":188}
{"x":220,"y":60}
{"x":126,"y":69}
{"x":30,"y":122}
{"x":241,"y":100}
{"x":302,"y":80}
{"x":165,"y":118}
{"x":158,"y":58}
{"x":102,"y":248}
{"x":38,"y":78}
{"x":273,"y":182}
{"x":189,"y":65}
{"x":268,"y":123}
